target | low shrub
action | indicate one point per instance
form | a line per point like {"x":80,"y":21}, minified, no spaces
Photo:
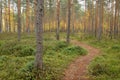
{"x":27,"y":71}
{"x":61,"y":44}
{"x":8,"y":48}
{"x":99,"y":69}
{"x":115,"y":48}
{"x":74,"y":50}
{"x":15,"y":49}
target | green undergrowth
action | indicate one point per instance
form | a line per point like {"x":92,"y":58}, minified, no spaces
{"x":107,"y":65}
{"x":17,"y":58}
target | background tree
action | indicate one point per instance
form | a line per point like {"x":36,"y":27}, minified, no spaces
{"x":19,"y":19}
{"x":100,"y":18}
{"x":58,"y":19}
{"x":69,"y":21}
{"x":0,"y":16}
{"x":9,"y":10}
{"x":27,"y":16}
{"x":84,"y":17}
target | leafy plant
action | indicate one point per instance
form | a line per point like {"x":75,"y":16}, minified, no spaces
{"x":74,"y":50}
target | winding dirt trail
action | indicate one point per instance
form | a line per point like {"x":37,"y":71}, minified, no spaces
{"x":77,"y":70}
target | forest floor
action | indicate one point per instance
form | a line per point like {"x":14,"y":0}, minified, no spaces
{"x":85,"y":58}
{"x":77,"y":70}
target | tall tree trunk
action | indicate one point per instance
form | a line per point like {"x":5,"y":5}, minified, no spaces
{"x":0,"y":16}
{"x":19,"y":19}
{"x":13,"y":23}
{"x":39,"y":36}
{"x":27,"y":17}
{"x":9,"y":15}
{"x":73,"y":16}
{"x":85,"y":18}
{"x":89,"y":18}
{"x":69,"y":21}
{"x":111,"y":20}
{"x":58,"y":19}
{"x":24,"y":28}
{"x":116,"y":19}
{"x":6,"y":17}
{"x":92,"y":19}
{"x":100,"y":14}
{"x":13,"y":16}
{"x":35,"y":2}
{"x":50,"y":12}
{"x":96,"y":18}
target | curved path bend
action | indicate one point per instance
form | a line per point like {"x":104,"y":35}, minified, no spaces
{"x":77,"y":70}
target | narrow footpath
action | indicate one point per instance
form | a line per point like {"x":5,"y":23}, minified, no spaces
{"x":77,"y":70}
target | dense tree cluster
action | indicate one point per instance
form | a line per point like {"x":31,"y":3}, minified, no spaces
{"x":95,"y":17}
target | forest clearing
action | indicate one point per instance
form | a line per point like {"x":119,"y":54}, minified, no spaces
{"x":59,"y":39}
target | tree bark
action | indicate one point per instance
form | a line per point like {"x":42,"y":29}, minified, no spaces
{"x":9,"y":15}
{"x":111,"y":20}
{"x":96,"y":19}
{"x":27,"y":17}
{"x":0,"y":16}
{"x":6,"y":17}
{"x":35,"y":6}
{"x":85,"y":18}
{"x":19,"y":19}
{"x":69,"y":21}
{"x":58,"y":19}
{"x":100,"y":14}
{"x":39,"y":37}
{"x":116,"y":19}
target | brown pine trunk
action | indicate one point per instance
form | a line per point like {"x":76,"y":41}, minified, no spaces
{"x":116,"y":19}
{"x":6,"y":17}
{"x":111,"y":20}
{"x":58,"y":19}
{"x":73,"y":17}
{"x":96,"y":18}
{"x":19,"y":19}
{"x":69,"y":21}
{"x":27,"y":17}
{"x":0,"y":16}
{"x":92,"y":18}
{"x":9,"y":15}
{"x":35,"y":2}
{"x":50,"y":3}
{"x":85,"y":18}
{"x":89,"y":19}
{"x":100,"y":15}
{"x":13,"y":23}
